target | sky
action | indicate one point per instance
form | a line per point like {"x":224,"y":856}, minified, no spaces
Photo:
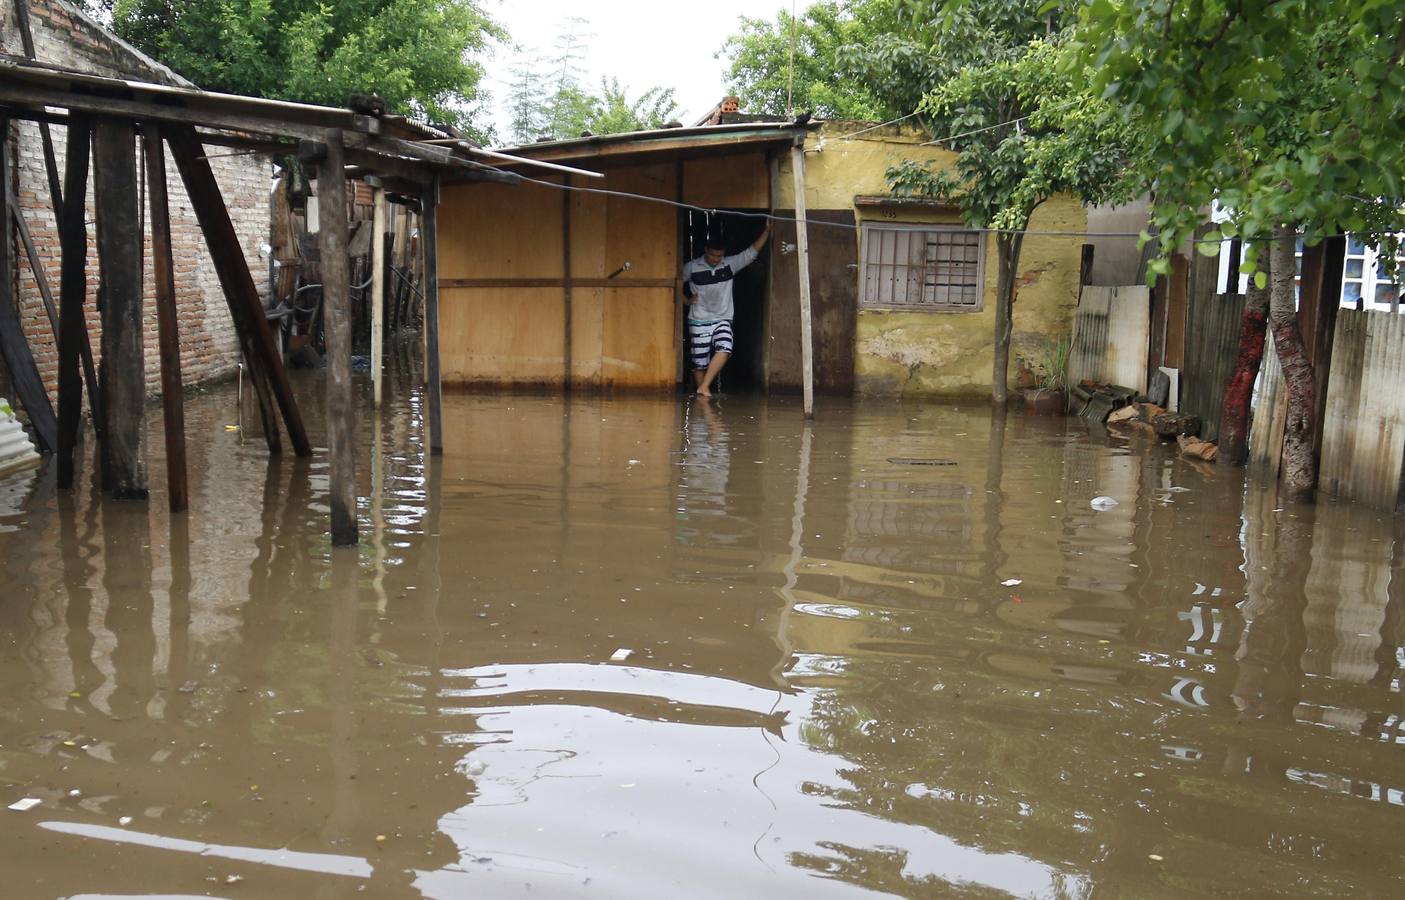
{"x":643,"y":44}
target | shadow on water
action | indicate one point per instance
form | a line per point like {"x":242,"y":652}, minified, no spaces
{"x":642,"y":646}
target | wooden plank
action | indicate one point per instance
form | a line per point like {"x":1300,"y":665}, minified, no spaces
{"x":567,"y":317}
{"x":1343,"y":403}
{"x":1175,"y":312}
{"x":622,"y":281}
{"x":336,"y":304}
{"x":167,"y":321}
{"x":508,"y":336}
{"x":643,"y":234}
{"x":802,"y":259}
{"x":733,"y":181}
{"x":495,"y":232}
{"x":255,"y":337}
{"x":378,"y":293}
{"x":73,"y":290}
{"x":638,"y":347}
{"x":123,"y":371}
{"x":1380,"y":419}
{"x":51,"y":166}
{"x":19,"y":360}
{"x":1270,"y":415}
{"x":429,"y":234}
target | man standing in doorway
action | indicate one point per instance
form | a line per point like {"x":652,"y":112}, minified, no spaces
{"x":707,"y":291}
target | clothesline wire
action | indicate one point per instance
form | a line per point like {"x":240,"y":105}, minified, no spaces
{"x":711,"y":211}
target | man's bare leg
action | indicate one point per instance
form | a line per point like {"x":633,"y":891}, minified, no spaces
{"x":719,"y":360}
{"x":697,"y":378}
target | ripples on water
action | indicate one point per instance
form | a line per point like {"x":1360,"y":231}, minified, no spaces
{"x":646,"y":647}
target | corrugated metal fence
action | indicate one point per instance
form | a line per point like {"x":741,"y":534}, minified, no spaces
{"x":1110,"y":335}
{"x":1211,"y":349}
{"x":1363,"y":437}
{"x":1363,"y":427}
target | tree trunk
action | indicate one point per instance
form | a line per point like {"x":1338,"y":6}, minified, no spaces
{"x":1299,"y":469}
{"x":1234,"y":414}
{"x":1007,"y":247}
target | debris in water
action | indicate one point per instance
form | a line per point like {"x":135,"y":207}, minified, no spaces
{"x":1155,"y":857}
{"x":1102,"y":503}
{"x":621,"y":654}
{"x":188,"y":688}
{"x":917,"y":461}
{"x":26,"y":804}
{"x":234,"y":879}
{"x":1011,"y":582}
{"x":124,"y":821}
{"x":634,"y":462}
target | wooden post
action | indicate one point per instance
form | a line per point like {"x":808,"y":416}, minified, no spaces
{"x":378,"y":291}
{"x":73,"y":291}
{"x":802,"y":256}
{"x":24,"y":372}
{"x":336,"y":303}
{"x":429,"y":235}
{"x":566,"y":298}
{"x":266,"y":371}
{"x":172,"y":401}
{"x":123,"y":373}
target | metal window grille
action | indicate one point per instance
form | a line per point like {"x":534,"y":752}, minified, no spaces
{"x":922,"y":267}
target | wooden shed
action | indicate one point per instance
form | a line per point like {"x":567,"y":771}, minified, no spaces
{"x":551,"y":288}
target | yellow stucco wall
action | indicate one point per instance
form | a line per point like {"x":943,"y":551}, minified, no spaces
{"x":941,"y":353}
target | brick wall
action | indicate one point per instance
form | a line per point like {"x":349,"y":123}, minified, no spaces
{"x":209,"y":347}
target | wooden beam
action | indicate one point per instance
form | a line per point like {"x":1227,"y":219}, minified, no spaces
{"x":566,"y":298}
{"x":450,"y":283}
{"x":172,"y":393}
{"x":378,"y":293}
{"x":336,"y":305}
{"x":429,"y":237}
{"x":73,"y":292}
{"x":123,"y":372}
{"x":24,"y":372}
{"x":51,"y":166}
{"x":802,"y":259}
{"x":260,"y":349}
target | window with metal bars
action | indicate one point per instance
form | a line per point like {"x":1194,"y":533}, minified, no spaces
{"x":909,"y":266}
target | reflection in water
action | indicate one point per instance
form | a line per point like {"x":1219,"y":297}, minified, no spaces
{"x":641,"y":647}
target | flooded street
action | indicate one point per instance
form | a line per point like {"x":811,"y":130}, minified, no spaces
{"x":647,"y":647}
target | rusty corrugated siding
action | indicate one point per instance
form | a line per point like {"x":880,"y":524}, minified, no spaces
{"x":1211,"y":346}
{"x":1110,"y":335}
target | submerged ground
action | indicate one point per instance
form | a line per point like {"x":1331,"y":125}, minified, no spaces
{"x":646,"y":647}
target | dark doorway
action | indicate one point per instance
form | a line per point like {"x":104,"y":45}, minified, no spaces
{"x":737,"y":229}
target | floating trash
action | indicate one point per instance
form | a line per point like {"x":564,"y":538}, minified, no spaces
{"x":621,"y":654}
{"x":26,"y":804}
{"x":1102,"y":503}
{"x":1011,"y":582}
{"x":917,"y":461}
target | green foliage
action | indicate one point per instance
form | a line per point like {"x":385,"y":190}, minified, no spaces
{"x":1063,"y":142}
{"x":1053,"y":367}
{"x":1285,"y":111}
{"x":418,"y":55}
{"x":760,"y":61}
{"x":616,"y":113}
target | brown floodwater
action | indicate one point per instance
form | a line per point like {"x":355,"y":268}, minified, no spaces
{"x":647,"y":647}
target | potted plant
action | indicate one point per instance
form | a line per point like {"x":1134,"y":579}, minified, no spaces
{"x":1049,"y":397}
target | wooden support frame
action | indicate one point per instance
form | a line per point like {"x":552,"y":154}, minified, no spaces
{"x":429,"y":239}
{"x":336,"y":303}
{"x":123,"y":371}
{"x":567,"y":354}
{"x":24,"y":372}
{"x":378,"y":293}
{"x":73,"y":290}
{"x":802,"y":259}
{"x":167,"y":321}
{"x":266,"y":370}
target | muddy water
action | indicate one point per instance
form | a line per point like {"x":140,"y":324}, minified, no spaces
{"x":644,"y":648}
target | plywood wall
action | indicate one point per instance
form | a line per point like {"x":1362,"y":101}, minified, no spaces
{"x":728,"y":182}
{"x":503,"y":297}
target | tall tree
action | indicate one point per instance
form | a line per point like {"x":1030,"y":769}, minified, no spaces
{"x":615,"y":113}
{"x":800,"y":63}
{"x":1024,"y":130}
{"x":419,"y":55}
{"x":1290,"y":112}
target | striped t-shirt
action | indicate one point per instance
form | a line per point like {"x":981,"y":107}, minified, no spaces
{"x":711,"y":286}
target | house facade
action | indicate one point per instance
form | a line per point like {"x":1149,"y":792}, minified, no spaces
{"x":570,"y":281}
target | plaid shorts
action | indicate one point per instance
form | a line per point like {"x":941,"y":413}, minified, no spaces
{"x":707,"y":338}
